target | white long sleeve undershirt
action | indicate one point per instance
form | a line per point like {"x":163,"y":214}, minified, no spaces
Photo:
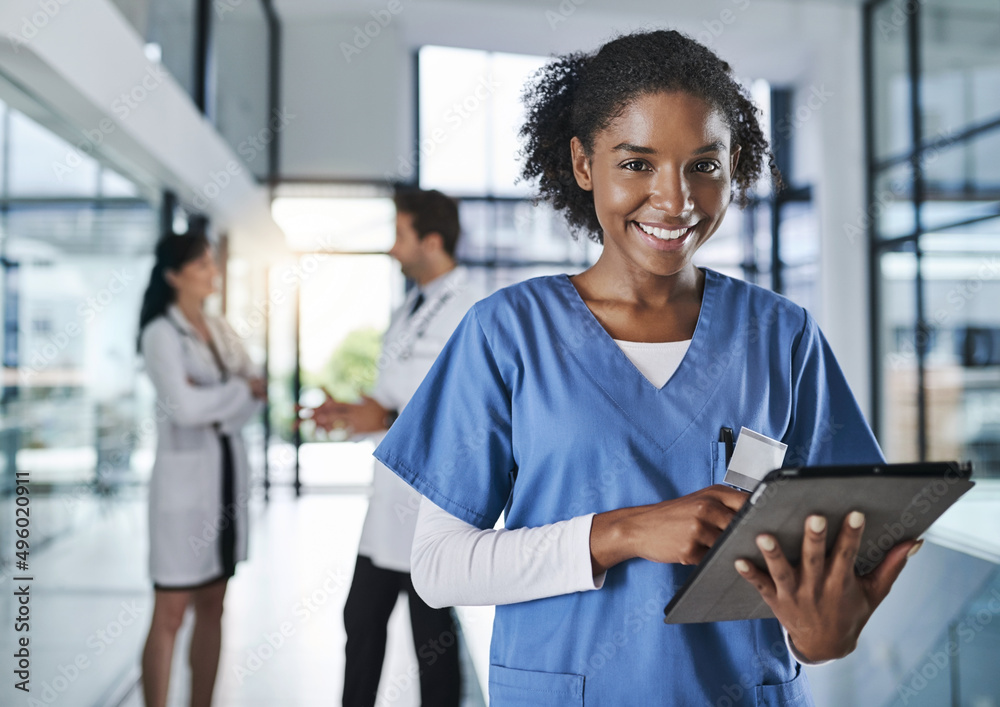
{"x":454,"y":563}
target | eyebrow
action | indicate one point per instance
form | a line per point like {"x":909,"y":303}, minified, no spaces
{"x":716,"y":146}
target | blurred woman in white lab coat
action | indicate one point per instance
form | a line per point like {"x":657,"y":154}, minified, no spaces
{"x":206,"y":391}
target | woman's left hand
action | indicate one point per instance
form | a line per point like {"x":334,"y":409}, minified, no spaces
{"x":823,"y":603}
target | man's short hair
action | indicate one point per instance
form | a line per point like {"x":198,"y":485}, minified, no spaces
{"x":432,"y":212}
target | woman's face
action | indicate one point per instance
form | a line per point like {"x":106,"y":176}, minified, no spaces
{"x":196,"y":278}
{"x":661,"y":176}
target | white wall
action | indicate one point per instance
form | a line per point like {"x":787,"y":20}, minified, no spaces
{"x":351,"y":113}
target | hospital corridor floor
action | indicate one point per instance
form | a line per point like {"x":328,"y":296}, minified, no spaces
{"x":283,"y":631}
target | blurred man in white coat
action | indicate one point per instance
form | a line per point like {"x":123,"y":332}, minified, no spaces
{"x":427,"y":230}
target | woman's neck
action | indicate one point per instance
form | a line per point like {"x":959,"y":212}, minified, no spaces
{"x":633,"y":304}
{"x":611,"y":279}
{"x":193,"y":310}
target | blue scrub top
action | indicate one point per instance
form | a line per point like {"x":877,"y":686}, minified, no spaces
{"x":533,"y":410}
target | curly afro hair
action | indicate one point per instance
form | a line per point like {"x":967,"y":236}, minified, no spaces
{"x":581,"y":94}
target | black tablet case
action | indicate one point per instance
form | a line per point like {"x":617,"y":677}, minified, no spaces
{"x":900,"y":501}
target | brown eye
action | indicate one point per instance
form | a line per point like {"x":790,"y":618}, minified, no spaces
{"x":634,"y":165}
{"x":706,"y":167}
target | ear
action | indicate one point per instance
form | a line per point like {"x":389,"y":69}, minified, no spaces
{"x":171,"y":277}
{"x":581,"y":165}
{"x":734,"y":159}
{"x":433,"y":241}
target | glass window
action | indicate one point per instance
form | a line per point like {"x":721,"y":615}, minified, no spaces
{"x":938,"y":379}
{"x":470,"y":112}
{"x":241,"y":66}
{"x":897,"y":356}
{"x":114,"y":184}
{"x":959,"y":217}
{"x":314,"y":224}
{"x":890,"y":76}
{"x":893,"y":206}
{"x":4,"y":117}
{"x":340,"y":236}
{"x":799,"y":285}
{"x":799,"y":234}
{"x":43,"y":164}
{"x":757,"y":222}
{"x":172,"y":27}
{"x":961,"y":181}
{"x":339,"y":348}
{"x":510,"y":73}
{"x":74,"y":271}
{"x":960,"y":81}
{"x":516,"y":230}
{"x":81,"y":274}
{"x":963,"y":367}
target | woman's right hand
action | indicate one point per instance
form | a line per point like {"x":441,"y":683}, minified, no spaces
{"x":680,"y":530}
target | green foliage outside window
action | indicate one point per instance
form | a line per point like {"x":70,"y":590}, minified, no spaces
{"x":351,"y":370}
{"x":349,"y":373}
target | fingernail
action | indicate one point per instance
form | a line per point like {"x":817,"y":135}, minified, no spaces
{"x":856,"y":519}
{"x":742,"y":566}
{"x":817,"y":524}
{"x":915,"y":549}
{"x":765,"y":543}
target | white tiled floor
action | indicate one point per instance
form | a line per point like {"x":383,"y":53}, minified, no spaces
{"x":92,"y":601}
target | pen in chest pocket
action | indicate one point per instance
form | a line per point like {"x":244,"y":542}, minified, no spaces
{"x":726,"y":437}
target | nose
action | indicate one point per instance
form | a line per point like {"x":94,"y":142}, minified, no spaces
{"x":671,"y":193}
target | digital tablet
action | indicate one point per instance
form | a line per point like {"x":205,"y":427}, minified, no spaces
{"x":900,"y":501}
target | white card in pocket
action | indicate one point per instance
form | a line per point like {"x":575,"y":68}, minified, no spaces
{"x":755,"y":455}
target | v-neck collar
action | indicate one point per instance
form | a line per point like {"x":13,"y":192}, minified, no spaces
{"x":175,"y":313}
{"x":663,"y":412}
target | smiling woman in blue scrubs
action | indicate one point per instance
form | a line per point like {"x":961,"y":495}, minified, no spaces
{"x":539,"y":407}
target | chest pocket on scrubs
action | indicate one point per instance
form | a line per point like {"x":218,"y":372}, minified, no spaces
{"x":531,"y":688}
{"x":718,"y":452}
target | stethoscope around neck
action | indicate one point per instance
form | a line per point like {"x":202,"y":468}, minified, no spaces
{"x":424,"y":321}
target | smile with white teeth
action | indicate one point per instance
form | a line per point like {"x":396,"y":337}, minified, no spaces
{"x":662,"y":233}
